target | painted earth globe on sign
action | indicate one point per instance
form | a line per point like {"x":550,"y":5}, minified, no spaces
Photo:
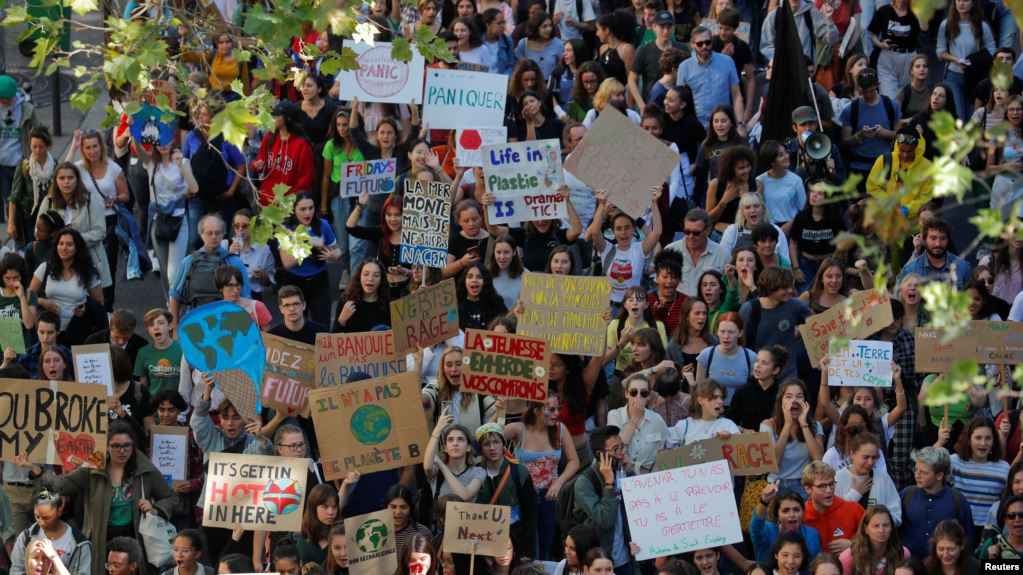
{"x":371,"y":536}
{"x":371,"y":424}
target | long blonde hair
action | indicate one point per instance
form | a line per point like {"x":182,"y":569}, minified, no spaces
{"x":608,"y":89}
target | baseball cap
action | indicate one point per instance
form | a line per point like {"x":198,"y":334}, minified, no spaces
{"x":803,"y":114}
{"x":285,"y":108}
{"x":664,"y":17}
{"x":8,"y":87}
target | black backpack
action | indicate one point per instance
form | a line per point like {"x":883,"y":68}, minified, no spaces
{"x":200,"y":287}
{"x":571,"y":514}
{"x":209,"y":166}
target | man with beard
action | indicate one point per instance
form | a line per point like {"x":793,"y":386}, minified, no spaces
{"x":936,"y":262}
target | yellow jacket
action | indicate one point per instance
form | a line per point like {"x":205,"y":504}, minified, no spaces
{"x":880,"y":185}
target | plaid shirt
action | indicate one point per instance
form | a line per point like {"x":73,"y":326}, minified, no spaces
{"x":900,"y":467}
{"x":30,"y":360}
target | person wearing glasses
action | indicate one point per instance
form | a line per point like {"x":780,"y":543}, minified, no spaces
{"x":230,"y":281}
{"x":642,"y":430}
{"x":258,"y":259}
{"x":699,"y":253}
{"x":712,"y":77}
{"x":294,"y":324}
{"x":598,"y":493}
{"x":124,"y":556}
{"x":115,"y":496}
{"x":834,"y":518}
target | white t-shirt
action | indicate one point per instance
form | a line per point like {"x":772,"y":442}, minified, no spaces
{"x":169,"y":185}
{"x":626,"y":268}
{"x":691,"y":429}
{"x":66,"y":294}
{"x":107,"y":184}
{"x":568,"y":8}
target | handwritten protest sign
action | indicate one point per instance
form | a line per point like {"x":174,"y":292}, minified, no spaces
{"x":222,"y":338}
{"x":861,"y":363}
{"x":288,"y":376}
{"x":152,"y":126}
{"x":506,"y":365}
{"x":369,"y":425}
{"x":169,"y":452}
{"x":255,"y":492}
{"x":566,"y":311}
{"x":339,"y":355}
{"x":620,"y":157}
{"x":371,"y":543}
{"x":11,"y":334}
{"x":425,"y":317}
{"x":863,"y":314}
{"x":746,"y":454}
{"x":380,"y":78}
{"x":681,"y":510}
{"x":456,"y":98}
{"x":92,"y":365}
{"x":425,"y":224}
{"x":371,"y":177}
{"x":992,"y":342}
{"x":60,"y":423}
{"x":469,"y":141}
{"x":524,"y":178}
{"x":488,"y":526}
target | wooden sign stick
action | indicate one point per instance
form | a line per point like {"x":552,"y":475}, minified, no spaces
{"x":472,"y":558}
{"x":1003,"y":383}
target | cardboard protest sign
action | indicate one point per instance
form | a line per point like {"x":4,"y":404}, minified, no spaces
{"x":339,"y":355}
{"x":469,"y":141}
{"x":746,"y":454}
{"x":987,"y":342}
{"x":425,"y":317}
{"x":92,"y":365}
{"x":57,"y":422}
{"x":863,"y":314}
{"x":255,"y":492}
{"x":524,"y":177}
{"x":566,"y":311}
{"x":169,"y":452}
{"x":861,"y":363}
{"x":425,"y":224}
{"x":380,"y":78}
{"x":477,"y":528}
{"x":932,"y":354}
{"x":681,"y":510}
{"x":371,"y":177}
{"x":11,"y":334}
{"x":222,"y":338}
{"x":620,"y":157}
{"x":289,"y":375}
{"x":456,"y":98}
{"x":372,"y":547}
{"x":370,"y":425}
{"x":506,"y":365}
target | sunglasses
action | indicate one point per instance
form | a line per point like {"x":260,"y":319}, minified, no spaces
{"x":693,"y":232}
{"x":701,"y":44}
{"x":906,"y":139}
{"x":1014,"y":516}
{"x":642,"y":392}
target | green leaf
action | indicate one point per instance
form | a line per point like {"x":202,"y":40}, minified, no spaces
{"x":233,"y":122}
{"x":949,"y":308}
{"x":84,"y":6}
{"x":431,"y":47}
{"x":401,"y":50}
{"x":989,"y":222}
{"x":15,"y":15}
{"x":1001,"y":75}
{"x":83,"y":100}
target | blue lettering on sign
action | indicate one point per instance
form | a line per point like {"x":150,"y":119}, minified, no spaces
{"x":422,"y":255}
{"x":471,"y":98}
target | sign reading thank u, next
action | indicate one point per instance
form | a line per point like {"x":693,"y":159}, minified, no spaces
{"x":455,"y":98}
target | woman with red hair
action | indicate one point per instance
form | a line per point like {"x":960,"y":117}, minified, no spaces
{"x":387,"y":238}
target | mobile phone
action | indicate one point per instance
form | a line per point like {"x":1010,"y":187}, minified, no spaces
{"x":474,"y":251}
{"x":447,"y":407}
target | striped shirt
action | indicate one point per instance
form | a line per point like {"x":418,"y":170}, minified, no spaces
{"x":980,"y":483}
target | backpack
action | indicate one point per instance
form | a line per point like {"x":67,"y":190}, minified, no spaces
{"x":854,"y":113}
{"x":907,"y":497}
{"x":209,"y":166}
{"x":199,"y":286}
{"x":569,"y":513}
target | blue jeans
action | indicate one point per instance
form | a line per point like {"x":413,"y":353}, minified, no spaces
{"x":809,"y":268}
{"x":955,"y":80}
{"x":196,"y":209}
{"x":546,"y":516}
{"x":340,"y":208}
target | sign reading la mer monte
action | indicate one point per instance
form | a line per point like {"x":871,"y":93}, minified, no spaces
{"x":457,"y":98}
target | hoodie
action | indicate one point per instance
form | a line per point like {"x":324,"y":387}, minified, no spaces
{"x":286,"y":161}
{"x":836,"y":522}
{"x":881,"y":184}
{"x":14,"y":140}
